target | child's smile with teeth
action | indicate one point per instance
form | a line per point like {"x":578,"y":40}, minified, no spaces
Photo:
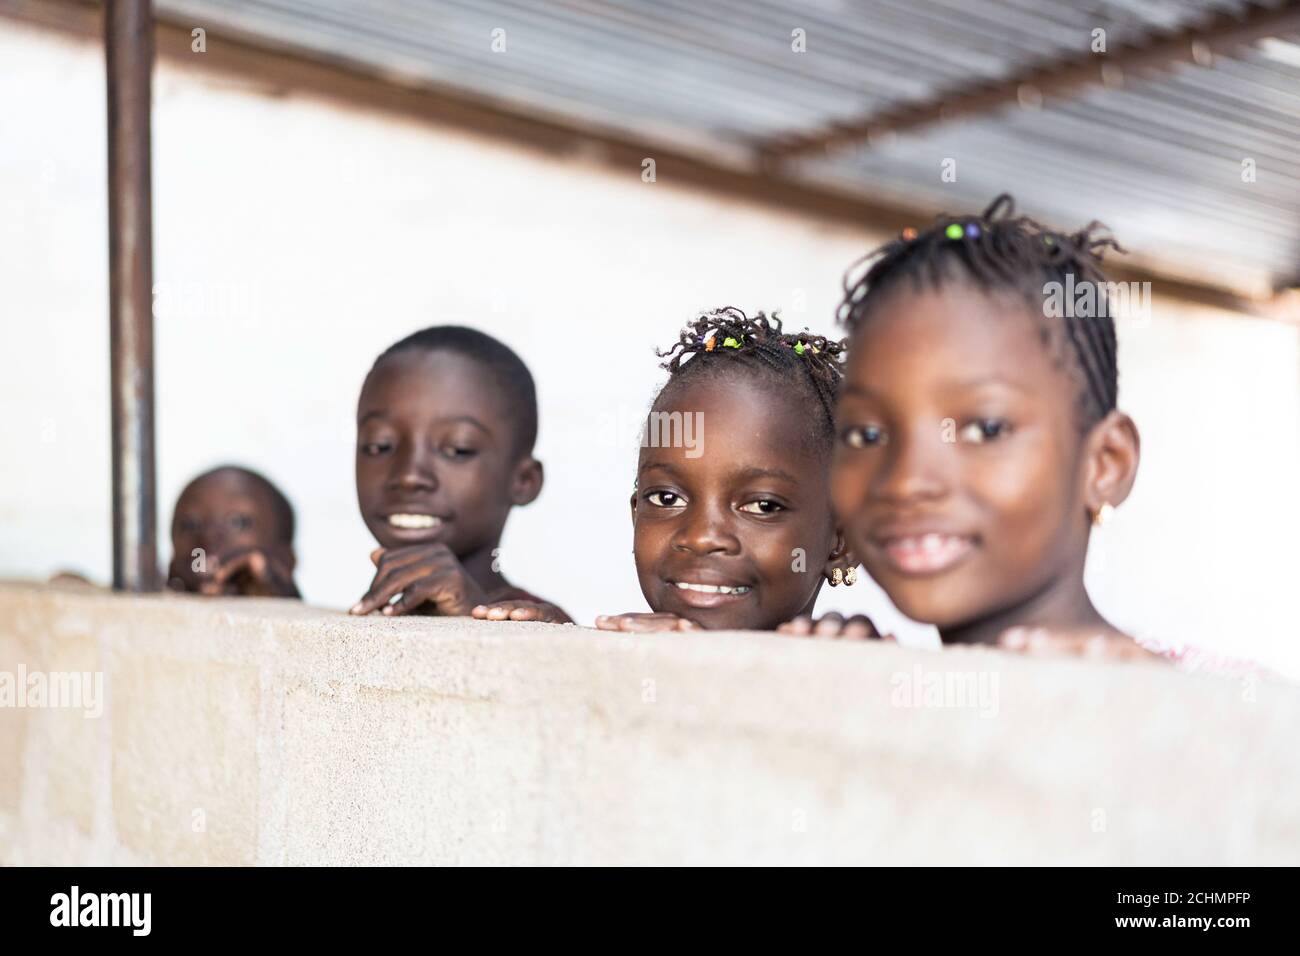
{"x":414,"y":522}
{"x":713,"y":588}
{"x":926,"y":553}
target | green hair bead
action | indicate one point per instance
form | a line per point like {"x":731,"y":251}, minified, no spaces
{"x":798,"y":348}
{"x":954,"y":231}
{"x":730,"y":343}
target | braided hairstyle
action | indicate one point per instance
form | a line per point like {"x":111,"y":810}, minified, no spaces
{"x":1002,"y":253}
{"x":727,"y":339}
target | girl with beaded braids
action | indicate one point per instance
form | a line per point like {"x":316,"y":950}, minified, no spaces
{"x":736,"y":532}
{"x":731,"y":518}
{"x":979,"y":439}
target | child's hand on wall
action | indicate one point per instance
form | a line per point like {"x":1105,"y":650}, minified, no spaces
{"x":521,"y":611}
{"x":250,"y":572}
{"x":858,"y":626}
{"x":429,"y":579}
{"x":1090,"y":643}
{"x":643,"y":622}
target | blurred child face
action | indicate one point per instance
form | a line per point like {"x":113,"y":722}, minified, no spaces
{"x":434,"y":452}
{"x":221,"y":513}
{"x":959,"y":470}
{"x":716,"y":527}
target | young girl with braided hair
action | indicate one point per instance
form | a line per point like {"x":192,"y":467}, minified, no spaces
{"x":738,"y":534}
{"x":732,"y":528}
{"x":979,"y":438}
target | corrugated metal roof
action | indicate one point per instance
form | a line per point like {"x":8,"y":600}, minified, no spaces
{"x":1159,"y":160}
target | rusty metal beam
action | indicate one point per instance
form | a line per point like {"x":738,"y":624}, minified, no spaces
{"x":128,"y":44}
{"x":1197,"y":44}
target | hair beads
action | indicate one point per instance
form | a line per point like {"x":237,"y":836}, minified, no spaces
{"x":997,"y":251}
{"x":759,"y":342}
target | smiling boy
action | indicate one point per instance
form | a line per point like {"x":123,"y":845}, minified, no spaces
{"x":446,"y":424}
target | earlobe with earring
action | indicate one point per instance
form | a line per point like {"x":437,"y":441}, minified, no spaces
{"x":1102,"y":514}
{"x":840,"y":576}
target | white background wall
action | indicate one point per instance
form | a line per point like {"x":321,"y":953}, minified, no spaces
{"x":295,"y":239}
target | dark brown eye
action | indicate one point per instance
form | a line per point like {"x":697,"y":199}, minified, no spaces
{"x":863,"y":436}
{"x":241,"y":522}
{"x":665,"y":499}
{"x":983,"y":430}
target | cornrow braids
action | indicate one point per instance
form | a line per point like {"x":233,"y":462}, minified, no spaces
{"x":728,"y":338}
{"x":1000,"y":252}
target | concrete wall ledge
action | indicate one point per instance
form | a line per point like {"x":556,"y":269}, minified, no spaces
{"x":266,"y":732}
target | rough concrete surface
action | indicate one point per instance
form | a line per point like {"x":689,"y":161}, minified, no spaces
{"x":249,"y":731}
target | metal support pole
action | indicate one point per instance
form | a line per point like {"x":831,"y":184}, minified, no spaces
{"x":128,"y":43}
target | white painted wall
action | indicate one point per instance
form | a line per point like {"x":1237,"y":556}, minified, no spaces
{"x":294,"y":239}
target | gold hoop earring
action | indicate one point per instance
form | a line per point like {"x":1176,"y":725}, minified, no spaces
{"x":1102,"y":514}
{"x":851,"y":577}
